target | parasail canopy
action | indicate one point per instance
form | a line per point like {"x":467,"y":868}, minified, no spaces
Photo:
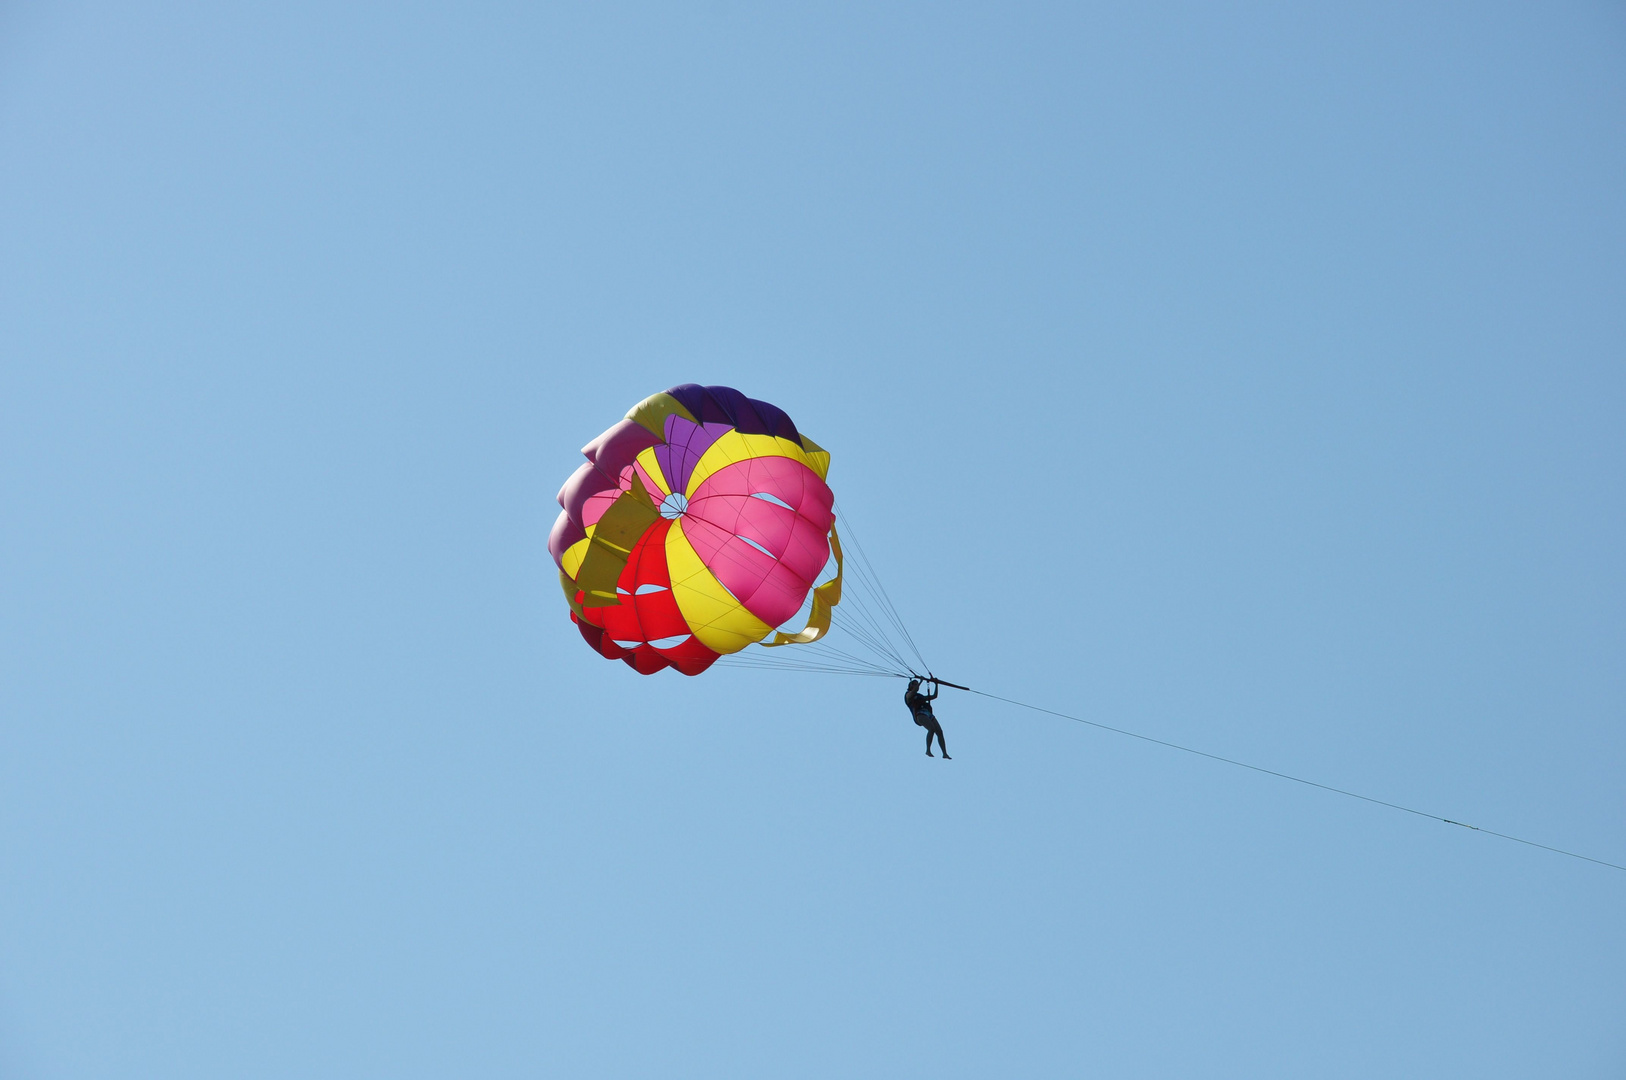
{"x":700,"y":524}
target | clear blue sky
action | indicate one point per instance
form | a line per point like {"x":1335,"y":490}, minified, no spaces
{"x":1250,"y":376}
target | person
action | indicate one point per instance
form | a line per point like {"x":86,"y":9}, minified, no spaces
{"x":920,"y":707}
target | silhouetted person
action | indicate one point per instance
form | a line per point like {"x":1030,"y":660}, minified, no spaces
{"x":920,"y":707}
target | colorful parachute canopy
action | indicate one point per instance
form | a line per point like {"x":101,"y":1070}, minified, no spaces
{"x":700,"y":524}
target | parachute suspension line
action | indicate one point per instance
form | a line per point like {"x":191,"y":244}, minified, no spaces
{"x":859,"y":609}
{"x":820,"y":653}
{"x":865,"y":638}
{"x":886,"y":599}
{"x":872,"y":583}
{"x":866,"y":625}
{"x":824,"y":648}
{"x":752,"y":662}
{"x":1295,"y":779}
{"x":870,"y":638}
{"x":856,"y":606}
{"x":862,"y":620}
{"x":826,"y":656}
{"x":804,"y":656}
{"x":864,"y":628}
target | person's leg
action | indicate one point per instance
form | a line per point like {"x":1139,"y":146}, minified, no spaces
{"x":941,"y":745}
{"x":928,"y":739}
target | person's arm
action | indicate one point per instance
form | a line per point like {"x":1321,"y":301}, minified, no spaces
{"x":933,"y":695}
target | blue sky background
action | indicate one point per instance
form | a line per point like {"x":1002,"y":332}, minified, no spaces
{"x":1249,"y":376}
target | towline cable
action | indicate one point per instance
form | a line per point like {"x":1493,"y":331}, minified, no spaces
{"x":1288,"y":776}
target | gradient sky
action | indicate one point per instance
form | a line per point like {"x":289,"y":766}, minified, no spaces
{"x":1249,"y":376}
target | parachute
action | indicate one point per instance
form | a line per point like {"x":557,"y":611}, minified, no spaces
{"x":701,"y":524}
